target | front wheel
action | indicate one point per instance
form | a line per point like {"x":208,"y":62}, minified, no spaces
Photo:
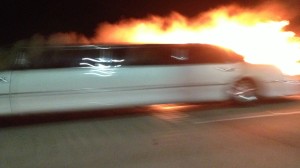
{"x":244,"y":91}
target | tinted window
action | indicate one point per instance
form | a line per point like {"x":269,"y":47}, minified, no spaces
{"x":158,"y":55}
{"x":53,"y":58}
{"x":46,"y":58}
{"x":233,"y":57}
{"x":6,"y":58}
{"x":206,"y":54}
{"x":132,"y":56}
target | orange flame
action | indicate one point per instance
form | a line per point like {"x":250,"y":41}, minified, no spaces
{"x":256,"y":34}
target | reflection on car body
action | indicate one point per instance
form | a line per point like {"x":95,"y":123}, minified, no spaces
{"x":58,"y":78}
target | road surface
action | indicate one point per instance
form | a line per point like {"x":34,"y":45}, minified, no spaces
{"x":160,"y":136}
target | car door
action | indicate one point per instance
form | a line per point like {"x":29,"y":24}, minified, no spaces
{"x":53,"y":80}
{"x":210,"y":71}
{"x":149,"y":74}
{"x":134,"y":75}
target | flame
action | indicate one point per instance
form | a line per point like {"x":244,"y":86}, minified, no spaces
{"x":257,"y":34}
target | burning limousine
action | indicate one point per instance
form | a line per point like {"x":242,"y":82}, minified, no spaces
{"x":75,"y":77}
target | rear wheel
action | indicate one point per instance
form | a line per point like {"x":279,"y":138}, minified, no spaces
{"x":244,"y":91}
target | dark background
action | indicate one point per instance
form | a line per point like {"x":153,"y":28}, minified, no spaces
{"x":21,"y":19}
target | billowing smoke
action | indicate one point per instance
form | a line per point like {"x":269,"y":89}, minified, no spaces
{"x":54,"y":39}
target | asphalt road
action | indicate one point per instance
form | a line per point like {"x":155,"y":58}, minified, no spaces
{"x":210,"y":135}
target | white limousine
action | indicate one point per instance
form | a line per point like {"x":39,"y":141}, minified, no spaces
{"x":66,"y":78}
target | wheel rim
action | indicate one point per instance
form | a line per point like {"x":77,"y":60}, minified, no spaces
{"x":244,"y":91}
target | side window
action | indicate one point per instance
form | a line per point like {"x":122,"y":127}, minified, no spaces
{"x":77,"y":57}
{"x":7,"y":59}
{"x":41,"y":59}
{"x":180,"y":54}
{"x":32,"y":58}
{"x":102,"y":58}
{"x":234,"y":57}
{"x":148,"y":56}
{"x":207,"y":55}
{"x":54,"y":58}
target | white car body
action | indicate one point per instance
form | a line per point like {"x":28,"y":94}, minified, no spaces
{"x":108,"y":83}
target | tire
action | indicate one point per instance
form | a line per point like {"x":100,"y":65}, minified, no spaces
{"x":244,"y":92}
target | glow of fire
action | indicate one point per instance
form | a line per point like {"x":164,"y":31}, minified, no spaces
{"x":257,"y":35}
{"x":169,"y":107}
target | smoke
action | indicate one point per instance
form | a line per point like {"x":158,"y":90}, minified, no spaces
{"x":54,"y":39}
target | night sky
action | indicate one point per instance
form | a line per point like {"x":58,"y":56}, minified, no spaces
{"x":21,"y":19}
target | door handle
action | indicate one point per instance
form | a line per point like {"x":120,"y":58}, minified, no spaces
{"x":3,"y":79}
{"x":225,"y":69}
